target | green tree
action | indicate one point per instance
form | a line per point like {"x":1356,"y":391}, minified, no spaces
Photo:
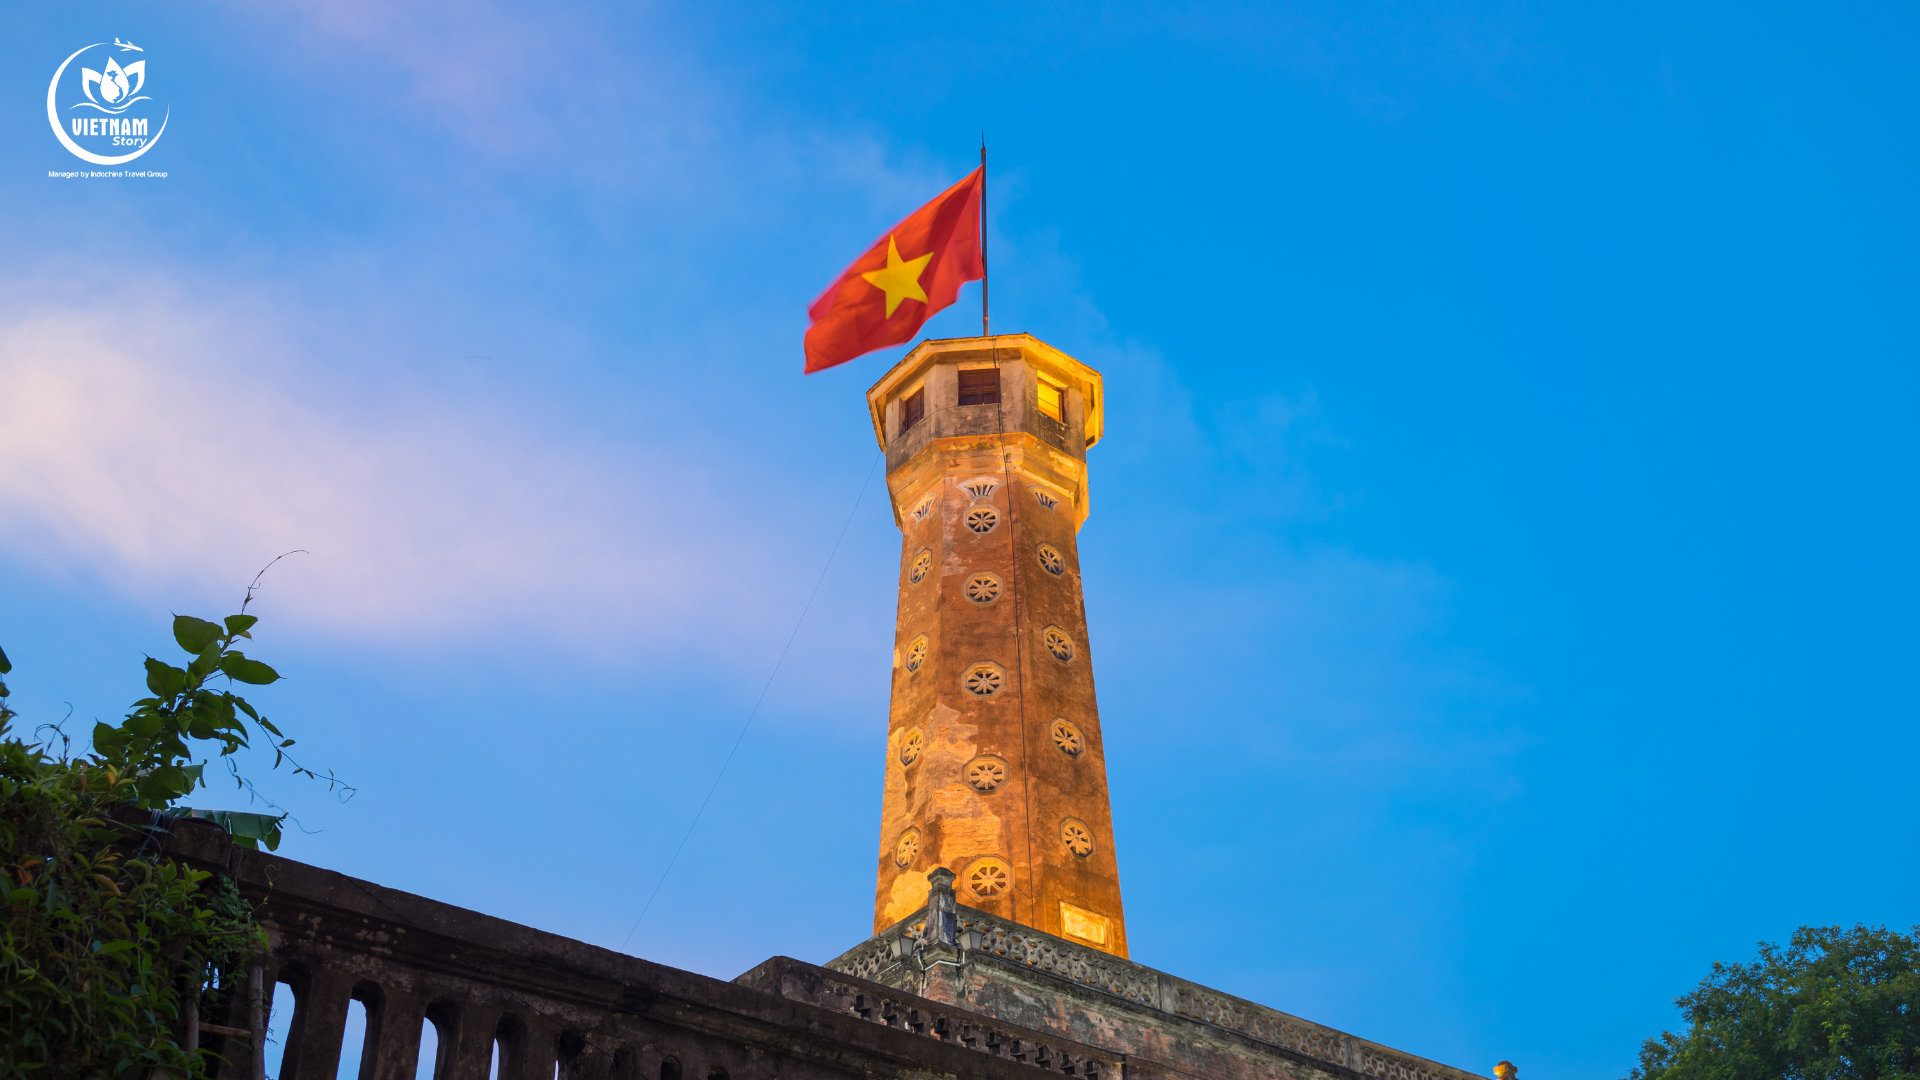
{"x":1833,"y":1004}
{"x":103,"y":936}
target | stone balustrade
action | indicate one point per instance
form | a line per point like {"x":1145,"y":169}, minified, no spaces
{"x":539,"y":1005}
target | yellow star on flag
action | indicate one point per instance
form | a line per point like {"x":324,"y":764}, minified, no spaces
{"x":901,"y":278}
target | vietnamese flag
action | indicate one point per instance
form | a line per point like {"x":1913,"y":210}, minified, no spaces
{"x":906,"y":276}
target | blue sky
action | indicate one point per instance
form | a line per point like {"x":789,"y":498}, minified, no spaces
{"x":1500,"y":564}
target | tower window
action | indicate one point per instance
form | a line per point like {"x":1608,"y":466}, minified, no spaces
{"x":980,"y":386}
{"x":1050,"y":401}
{"x":913,"y":408}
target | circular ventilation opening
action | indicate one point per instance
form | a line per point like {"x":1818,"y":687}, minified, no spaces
{"x":1067,"y":737}
{"x":984,"y":680}
{"x":982,"y":519}
{"x":922,"y":563}
{"x":917,"y":653}
{"x":988,"y":878}
{"x":1057,"y":643}
{"x":914,"y":741}
{"x":1075,"y":834}
{"x":1051,"y":561}
{"x":983,"y":588}
{"x":907,"y":848}
{"x":986,"y":773}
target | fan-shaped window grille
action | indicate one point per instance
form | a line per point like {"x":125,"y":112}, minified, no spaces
{"x":983,"y":588}
{"x":1067,"y":738}
{"x":1047,"y":501}
{"x":921,"y":511}
{"x":988,"y":878}
{"x":1057,"y":643}
{"x":984,"y":680}
{"x":1075,"y":834}
{"x":922,"y":562}
{"x":982,"y":519}
{"x":986,"y":773}
{"x":914,"y":741}
{"x":979,"y":489}
{"x":907,"y":848}
{"x":1051,"y":560}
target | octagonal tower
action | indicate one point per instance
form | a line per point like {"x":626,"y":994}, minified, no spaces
{"x":995,"y":766}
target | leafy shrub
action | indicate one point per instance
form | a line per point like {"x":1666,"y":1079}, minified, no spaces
{"x":104,"y":936}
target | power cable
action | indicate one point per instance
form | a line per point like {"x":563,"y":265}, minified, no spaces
{"x":757,"y":702}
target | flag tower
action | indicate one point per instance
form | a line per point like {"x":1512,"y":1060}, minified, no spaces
{"x":995,"y":766}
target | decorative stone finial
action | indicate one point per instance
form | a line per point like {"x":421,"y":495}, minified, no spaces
{"x":1505,"y":1071}
{"x":943,"y":919}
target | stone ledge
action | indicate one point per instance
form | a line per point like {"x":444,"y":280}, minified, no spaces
{"x":1034,"y":953}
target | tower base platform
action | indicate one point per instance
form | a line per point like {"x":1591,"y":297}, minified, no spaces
{"x":961,"y":958}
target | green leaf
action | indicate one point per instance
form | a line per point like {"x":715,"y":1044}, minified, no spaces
{"x":238,"y":625}
{"x":194,"y":635}
{"x":165,"y":680}
{"x":6,"y":665}
{"x":241,"y":669}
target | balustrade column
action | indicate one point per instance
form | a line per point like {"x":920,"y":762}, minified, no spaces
{"x":471,"y":1055}
{"x":313,"y":1044}
{"x":396,"y":1053}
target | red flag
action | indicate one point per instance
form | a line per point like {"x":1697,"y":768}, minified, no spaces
{"x":906,"y":276}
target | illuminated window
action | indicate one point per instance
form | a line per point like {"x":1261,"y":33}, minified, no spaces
{"x":980,"y":386}
{"x":913,"y":408}
{"x":1051,"y":400}
{"x":1084,"y":924}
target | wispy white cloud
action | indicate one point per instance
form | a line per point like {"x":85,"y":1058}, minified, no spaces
{"x":166,"y":446}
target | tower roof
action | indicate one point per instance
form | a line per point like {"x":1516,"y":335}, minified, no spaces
{"x":1051,"y":362}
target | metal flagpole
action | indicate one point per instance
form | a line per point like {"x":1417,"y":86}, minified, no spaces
{"x":983,"y":234}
